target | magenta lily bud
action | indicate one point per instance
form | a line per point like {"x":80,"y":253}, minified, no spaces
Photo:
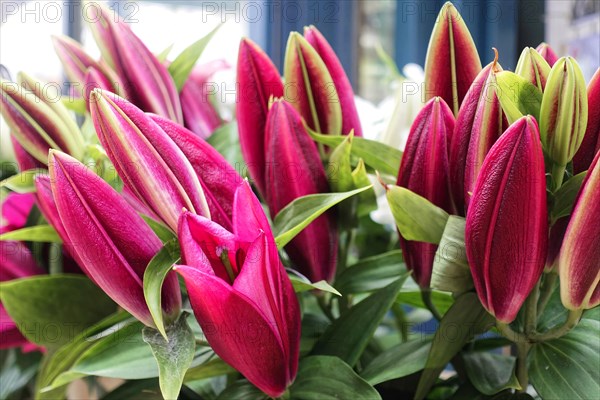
{"x":580,"y":252}
{"x":452,"y":61}
{"x":590,"y":144}
{"x":217,"y":177}
{"x":424,"y":170}
{"x":94,"y":78}
{"x":111,"y":240}
{"x":46,"y":204}
{"x":147,"y":160}
{"x":310,"y":89}
{"x":24,"y":160}
{"x":199,"y":114}
{"x":238,"y":288}
{"x":479,"y":123}
{"x":146,"y":79}
{"x":294,"y":169}
{"x":506,"y":233}
{"x":258,"y":81}
{"x":557,"y":234}
{"x":76,"y":63}
{"x":37,"y":122}
{"x":350,"y":120}
{"x":547,"y":52}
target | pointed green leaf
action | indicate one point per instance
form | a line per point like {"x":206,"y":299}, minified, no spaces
{"x":451,"y":272}
{"x":51,"y":310}
{"x":38,"y":233}
{"x":348,"y":336}
{"x":299,"y":213}
{"x":376,"y":155}
{"x":174,"y":356}
{"x":371,"y":273}
{"x":161,"y":230}
{"x":329,"y":378}
{"x":154,"y":276}
{"x":491,"y":373}
{"x":23,"y":182}
{"x":460,"y":324}
{"x":416,"y":218}
{"x":518,"y":96}
{"x":182,"y":66}
{"x":386,"y":366}
{"x":300,"y":285}
{"x":339,"y":170}
{"x":564,"y":198}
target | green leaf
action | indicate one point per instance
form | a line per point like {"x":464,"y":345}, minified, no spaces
{"x":162,"y":231}
{"x":567,"y":368}
{"x":491,"y":373}
{"x":154,"y":276}
{"x":460,"y":324}
{"x":51,"y":310}
{"x":451,"y":272}
{"x":348,"y":336}
{"x":376,"y":155}
{"x":120,"y":353}
{"x":59,"y":361}
{"x":303,"y":285}
{"x":399,"y":361}
{"x":329,"y":378}
{"x":339,"y":169}
{"x":416,"y":218}
{"x":564,"y":198}
{"x":518,"y":96}
{"x":182,"y":66}
{"x":75,"y":104}
{"x":299,"y":213}
{"x":23,"y":182}
{"x":162,"y":56}
{"x":371,"y":273}
{"x":243,"y":390}
{"x":38,"y":233}
{"x":367,"y":201}
{"x":442,"y":301}
{"x":17,"y":370}
{"x":173,"y":355}
{"x":214,"y":367}
{"x":225,"y":139}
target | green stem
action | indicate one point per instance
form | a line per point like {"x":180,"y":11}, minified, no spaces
{"x":507,"y":332}
{"x":546,"y":292}
{"x":325,"y":307}
{"x":345,"y":243}
{"x":426,"y":296}
{"x":531,"y":310}
{"x":522,"y":373}
{"x":558,"y":173}
{"x":559,"y":331}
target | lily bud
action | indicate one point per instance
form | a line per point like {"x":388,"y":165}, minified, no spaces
{"x":479,"y":123}
{"x":113,"y":243}
{"x":452,"y":61}
{"x":258,"y":80}
{"x":546,"y":51}
{"x":580,"y":252}
{"x":564,"y":112}
{"x":95,"y":79}
{"x":76,"y":63}
{"x":294,"y":169}
{"x":557,"y":234}
{"x":590,"y":145}
{"x":236,"y":282}
{"x":147,"y":81}
{"x":310,"y":89}
{"x":199,"y":114}
{"x":424,"y":170}
{"x":37,"y":122}
{"x":343,"y":87}
{"x":506,"y":232}
{"x":146,"y":158}
{"x":24,"y":160}
{"x":533,"y":67}
{"x":218,"y":178}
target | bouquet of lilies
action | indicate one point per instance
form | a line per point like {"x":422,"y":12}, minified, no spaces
{"x":148,"y":240}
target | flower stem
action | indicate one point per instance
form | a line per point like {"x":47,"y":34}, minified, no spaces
{"x":558,"y":173}
{"x":426,"y":296}
{"x":522,"y":373}
{"x":531,"y":310}
{"x":507,"y":332}
{"x":559,"y":331}
{"x":546,"y":292}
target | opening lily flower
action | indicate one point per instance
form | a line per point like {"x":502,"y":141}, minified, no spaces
{"x":240,"y":293}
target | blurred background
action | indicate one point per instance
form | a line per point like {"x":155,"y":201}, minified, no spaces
{"x":363,"y":33}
